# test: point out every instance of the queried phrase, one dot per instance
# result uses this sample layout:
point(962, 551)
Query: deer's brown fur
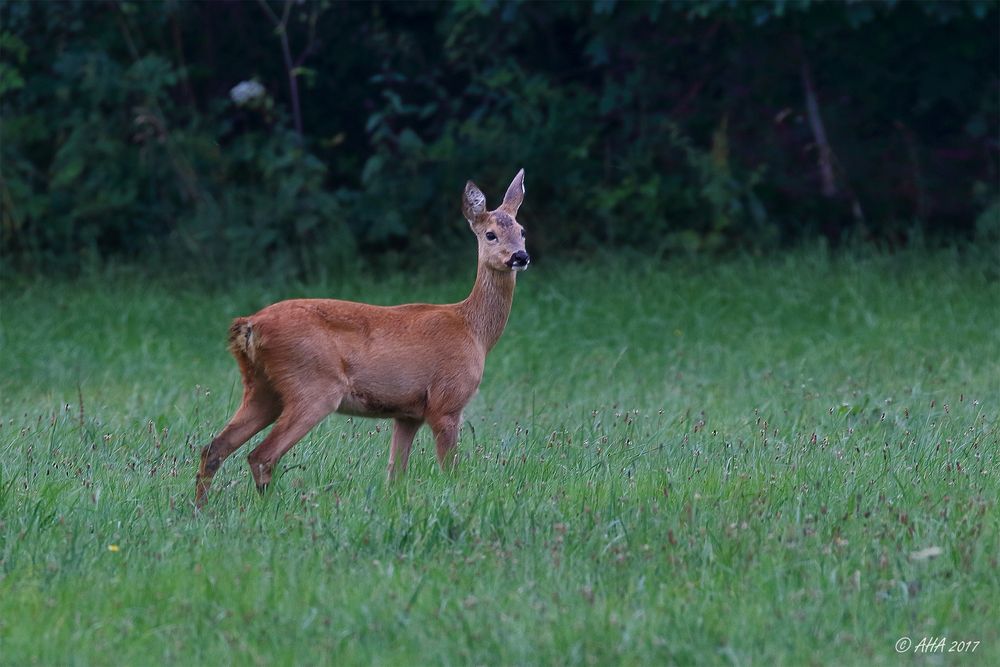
point(302, 359)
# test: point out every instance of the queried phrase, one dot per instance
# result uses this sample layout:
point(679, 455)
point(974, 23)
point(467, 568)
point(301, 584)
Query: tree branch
point(281, 28)
point(826, 159)
point(825, 154)
point(310, 39)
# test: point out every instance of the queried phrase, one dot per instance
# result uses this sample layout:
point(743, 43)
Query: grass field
point(790, 460)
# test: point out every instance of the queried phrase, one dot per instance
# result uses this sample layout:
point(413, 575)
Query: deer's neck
point(486, 309)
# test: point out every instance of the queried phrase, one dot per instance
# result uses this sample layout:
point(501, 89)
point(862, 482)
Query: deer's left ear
point(473, 203)
point(515, 195)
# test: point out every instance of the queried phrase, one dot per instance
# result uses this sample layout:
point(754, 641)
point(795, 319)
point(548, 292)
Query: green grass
point(693, 462)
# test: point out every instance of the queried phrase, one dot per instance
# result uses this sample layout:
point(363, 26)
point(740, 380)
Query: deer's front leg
point(445, 429)
point(403, 432)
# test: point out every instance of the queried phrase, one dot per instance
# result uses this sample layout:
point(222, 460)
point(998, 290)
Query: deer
point(302, 359)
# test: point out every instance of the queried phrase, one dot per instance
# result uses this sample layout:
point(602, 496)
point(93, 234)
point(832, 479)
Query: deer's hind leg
point(297, 418)
point(260, 406)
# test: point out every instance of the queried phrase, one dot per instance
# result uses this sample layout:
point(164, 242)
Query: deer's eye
point(523, 235)
point(490, 236)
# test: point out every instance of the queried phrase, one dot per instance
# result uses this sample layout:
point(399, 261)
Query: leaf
point(410, 141)
point(68, 172)
point(307, 73)
point(372, 168)
point(10, 79)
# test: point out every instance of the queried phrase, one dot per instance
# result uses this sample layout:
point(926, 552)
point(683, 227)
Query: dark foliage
point(661, 126)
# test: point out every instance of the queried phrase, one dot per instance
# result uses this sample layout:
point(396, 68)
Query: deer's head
point(501, 238)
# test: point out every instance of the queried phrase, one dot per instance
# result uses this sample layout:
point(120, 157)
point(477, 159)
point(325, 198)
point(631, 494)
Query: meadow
point(788, 460)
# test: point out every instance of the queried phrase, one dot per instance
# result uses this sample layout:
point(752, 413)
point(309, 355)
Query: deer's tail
point(243, 344)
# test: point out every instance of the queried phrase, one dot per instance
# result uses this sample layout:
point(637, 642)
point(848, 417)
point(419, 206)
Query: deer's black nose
point(519, 260)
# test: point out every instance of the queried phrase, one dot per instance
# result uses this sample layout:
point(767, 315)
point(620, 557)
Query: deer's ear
point(473, 203)
point(515, 195)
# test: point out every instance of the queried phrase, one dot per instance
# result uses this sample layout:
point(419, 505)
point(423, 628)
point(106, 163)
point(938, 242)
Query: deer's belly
point(408, 385)
point(367, 404)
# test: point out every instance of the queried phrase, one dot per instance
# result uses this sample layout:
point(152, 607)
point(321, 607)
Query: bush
point(171, 130)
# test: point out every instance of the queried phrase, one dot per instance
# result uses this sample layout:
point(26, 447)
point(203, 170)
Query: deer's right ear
point(473, 203)
point(515, 194)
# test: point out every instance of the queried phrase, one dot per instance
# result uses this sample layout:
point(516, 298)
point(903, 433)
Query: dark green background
point(660, 126)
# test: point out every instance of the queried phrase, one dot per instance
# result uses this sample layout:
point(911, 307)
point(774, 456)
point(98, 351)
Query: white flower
point(246, 92)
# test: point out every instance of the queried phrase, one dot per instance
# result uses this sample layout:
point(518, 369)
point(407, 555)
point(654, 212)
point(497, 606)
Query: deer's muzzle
point(519, 261)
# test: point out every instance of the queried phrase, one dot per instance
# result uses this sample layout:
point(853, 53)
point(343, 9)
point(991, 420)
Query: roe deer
point(305, 358)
